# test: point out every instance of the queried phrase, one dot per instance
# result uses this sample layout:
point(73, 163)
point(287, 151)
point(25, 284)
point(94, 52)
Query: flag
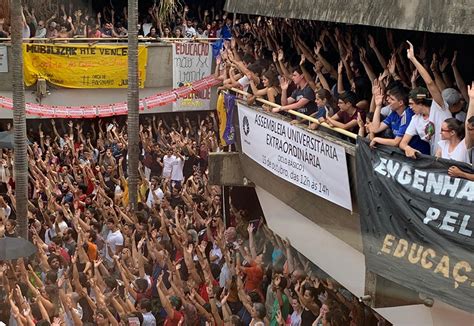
point(221, 115)
point(229, 132)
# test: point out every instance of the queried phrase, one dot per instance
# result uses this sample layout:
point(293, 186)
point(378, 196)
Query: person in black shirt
point(302, 98)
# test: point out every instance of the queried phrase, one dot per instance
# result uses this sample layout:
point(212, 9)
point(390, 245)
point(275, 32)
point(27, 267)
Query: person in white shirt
point(189, 30)
point(429, 113)
point(154, 192)
point(5, 208)
point(58, 227)
point(114, 241)
point(452, 145)
point(455, 171)
point(144, 307)
point(177, 176)
point(40, 30)
point(168, 161)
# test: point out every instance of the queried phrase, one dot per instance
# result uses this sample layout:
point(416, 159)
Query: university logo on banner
point(191, 62)
point(296, 155)
point(417, 223)
point(81, 66)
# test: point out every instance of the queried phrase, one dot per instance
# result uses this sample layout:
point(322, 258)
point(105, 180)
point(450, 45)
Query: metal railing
point(298, 114)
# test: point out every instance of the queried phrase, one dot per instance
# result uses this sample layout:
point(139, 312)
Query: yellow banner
point(81, 66)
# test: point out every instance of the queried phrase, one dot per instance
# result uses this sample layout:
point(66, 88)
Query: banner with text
point(3, 58)
point(298, 156)
point(81, 66)
point(191, 62)
point(416, 223)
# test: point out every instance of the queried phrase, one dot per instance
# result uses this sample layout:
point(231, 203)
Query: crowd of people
point(382, 89)
point(173, 261)
point(75, 20)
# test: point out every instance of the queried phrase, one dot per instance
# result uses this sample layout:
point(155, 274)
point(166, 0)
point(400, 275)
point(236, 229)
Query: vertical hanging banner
point(3, 58)
point(417, 223)
point(81, 66)
point(302, 158)
point(191, 62)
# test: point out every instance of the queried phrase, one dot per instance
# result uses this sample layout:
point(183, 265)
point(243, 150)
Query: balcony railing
point(299, 115)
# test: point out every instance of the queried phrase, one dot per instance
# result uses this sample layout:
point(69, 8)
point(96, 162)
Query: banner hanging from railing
point(417, 223)
point(81, 66)
point(120, 108)
point(296, 155)
point(191, 62)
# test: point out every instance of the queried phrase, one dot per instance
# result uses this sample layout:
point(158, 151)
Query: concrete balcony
point(328, 234)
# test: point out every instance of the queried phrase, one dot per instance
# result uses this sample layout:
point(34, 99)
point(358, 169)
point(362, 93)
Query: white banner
point(300, 157)
point(191, 62)
point(3, 58)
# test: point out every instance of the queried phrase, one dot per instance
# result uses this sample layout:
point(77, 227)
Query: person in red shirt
point(254, 272)
point(172, 305)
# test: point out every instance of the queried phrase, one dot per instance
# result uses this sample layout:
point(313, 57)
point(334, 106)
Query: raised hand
point(371, 41)
point(318, 47)
point(434, 63)
point(281, 55)
point(340, 67)
point(363, 54)
point(470, 91)
point(444, 64)
point(411, 52)
point(303, 59)
point(284, 83)
point(454, 60)
point(250, 228)
point(360, 122)
point(392, 65)
point(377, 92)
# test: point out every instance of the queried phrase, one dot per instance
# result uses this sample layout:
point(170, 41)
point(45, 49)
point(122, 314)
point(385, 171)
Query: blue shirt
point(399, 123)
point(226, 33)
point(321, 113)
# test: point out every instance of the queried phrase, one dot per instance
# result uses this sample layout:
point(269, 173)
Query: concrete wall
point(438, 16)
point(6, 77)
point(159, 66)
point(159, 72)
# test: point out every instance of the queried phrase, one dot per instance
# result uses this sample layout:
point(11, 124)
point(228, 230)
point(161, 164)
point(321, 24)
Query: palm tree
point(19, 120)
point(132, 102)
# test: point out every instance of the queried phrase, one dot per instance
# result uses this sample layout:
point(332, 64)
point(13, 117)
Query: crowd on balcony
point(73, 20)
point(385, 88)
point(173, 261)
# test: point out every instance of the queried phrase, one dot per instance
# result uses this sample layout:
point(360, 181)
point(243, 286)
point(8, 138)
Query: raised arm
point(432, 87)
point(373, 46)
point(470, 113)
point(458, 78)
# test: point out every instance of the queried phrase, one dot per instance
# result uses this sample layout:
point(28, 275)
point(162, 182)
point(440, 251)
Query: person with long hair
point(452, 145)
point(325, 103)
point(271, 90)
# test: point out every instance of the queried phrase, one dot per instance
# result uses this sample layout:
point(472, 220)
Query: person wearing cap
point(455, 103)
point(52, 31)
point(430, 113)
